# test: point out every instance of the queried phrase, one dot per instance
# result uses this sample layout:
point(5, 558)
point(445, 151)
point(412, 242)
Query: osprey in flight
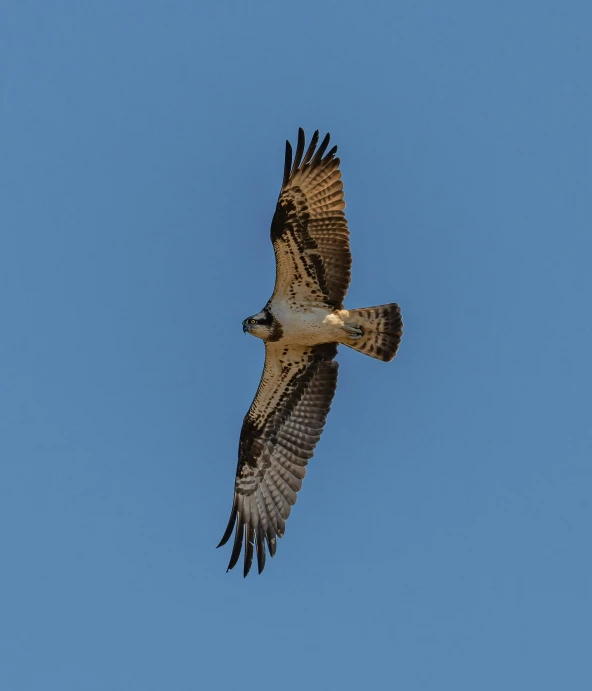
point(301, 325)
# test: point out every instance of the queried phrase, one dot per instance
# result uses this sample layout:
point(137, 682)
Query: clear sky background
point(442, 537)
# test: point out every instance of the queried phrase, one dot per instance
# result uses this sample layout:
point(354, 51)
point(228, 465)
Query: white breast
point(308, 326)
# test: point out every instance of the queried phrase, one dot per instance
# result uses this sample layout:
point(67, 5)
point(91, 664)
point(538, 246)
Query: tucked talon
point(354, 332)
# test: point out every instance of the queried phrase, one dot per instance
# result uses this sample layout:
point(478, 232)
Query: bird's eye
point(252, 321)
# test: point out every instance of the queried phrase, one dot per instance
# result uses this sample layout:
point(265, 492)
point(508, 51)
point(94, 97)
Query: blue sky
point(442, 537)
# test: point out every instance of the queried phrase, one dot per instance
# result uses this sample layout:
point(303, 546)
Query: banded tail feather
point(382, 329)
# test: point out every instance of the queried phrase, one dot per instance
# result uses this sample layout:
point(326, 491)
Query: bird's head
point(259, 325)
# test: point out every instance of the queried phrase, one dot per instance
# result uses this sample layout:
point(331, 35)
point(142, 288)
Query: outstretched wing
point(279, 434)
point(309, 231)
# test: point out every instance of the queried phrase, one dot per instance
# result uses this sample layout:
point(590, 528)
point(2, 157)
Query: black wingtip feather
point(229, 527)
point(321, 150)
point(272, 546)
point(249, 544)
point(299, 149)
point(287, 162)
point(311, 147)
point(238, 544)
point(260, 544)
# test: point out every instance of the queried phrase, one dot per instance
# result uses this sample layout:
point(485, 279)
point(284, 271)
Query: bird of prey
point(301, 325)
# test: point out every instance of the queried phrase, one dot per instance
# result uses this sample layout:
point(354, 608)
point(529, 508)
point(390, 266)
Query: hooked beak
point(245, 327)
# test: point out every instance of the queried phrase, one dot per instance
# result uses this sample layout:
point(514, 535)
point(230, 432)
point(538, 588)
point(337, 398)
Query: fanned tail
point(381, 330)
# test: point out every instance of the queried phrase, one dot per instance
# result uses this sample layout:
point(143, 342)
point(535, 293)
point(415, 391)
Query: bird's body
point(308, 325)
point(301, 325)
